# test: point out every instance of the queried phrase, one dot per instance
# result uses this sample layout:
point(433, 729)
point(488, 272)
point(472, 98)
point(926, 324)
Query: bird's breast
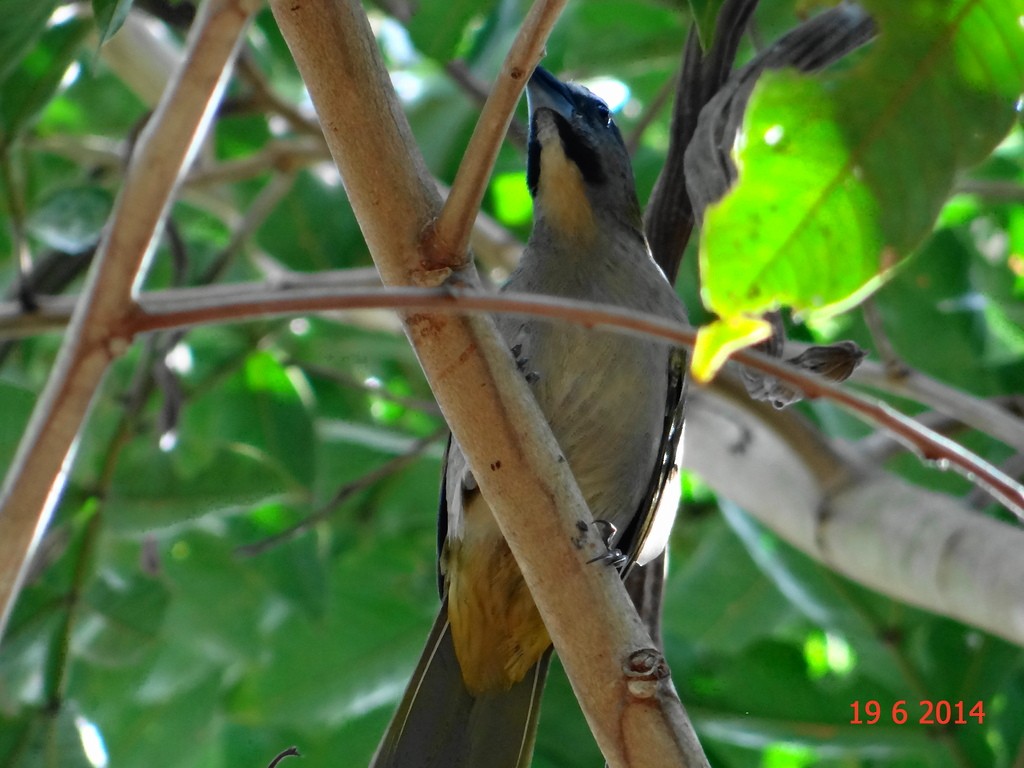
point(604, 396)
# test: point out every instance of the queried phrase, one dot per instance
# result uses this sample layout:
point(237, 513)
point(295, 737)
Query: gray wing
point(647, 534)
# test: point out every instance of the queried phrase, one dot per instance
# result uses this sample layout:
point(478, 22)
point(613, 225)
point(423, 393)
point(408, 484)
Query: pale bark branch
point(921, 547)
point(452, 231)
point(988, 417)
point(636, 720)
point(96, 335)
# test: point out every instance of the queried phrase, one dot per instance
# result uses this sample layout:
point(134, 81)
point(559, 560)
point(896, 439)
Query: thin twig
point(977, 499)
point(448, 246)
point(989, 417)
point(255, 215)
point(993, 190)
point(339, 377)
point(189, 307)
point(894, 366)
point(337, 290)
point(290, 752)
point(345, 492)
point(268, 99)
point(651, 113)
point(476, 89)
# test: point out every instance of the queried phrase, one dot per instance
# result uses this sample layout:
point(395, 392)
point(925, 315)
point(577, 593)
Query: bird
point(614, 404)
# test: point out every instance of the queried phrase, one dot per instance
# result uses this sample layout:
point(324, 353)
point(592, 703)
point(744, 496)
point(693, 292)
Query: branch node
point(117, 345)
point(644, 671)
point(438, 260)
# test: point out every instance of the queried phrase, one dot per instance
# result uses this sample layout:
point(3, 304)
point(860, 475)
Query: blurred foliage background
point(225, 578)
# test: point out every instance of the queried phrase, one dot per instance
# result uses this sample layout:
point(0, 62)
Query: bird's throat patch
point(560, 184)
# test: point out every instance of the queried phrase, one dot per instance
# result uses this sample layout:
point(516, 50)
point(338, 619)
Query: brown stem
point(97, 334)
point(450, 241)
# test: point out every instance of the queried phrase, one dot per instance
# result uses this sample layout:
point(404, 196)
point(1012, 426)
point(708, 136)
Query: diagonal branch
point(447, 247)
point(486, 402)
point(97, 335)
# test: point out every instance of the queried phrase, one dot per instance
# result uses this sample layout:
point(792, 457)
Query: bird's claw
point(614, 556)
point(532, 377)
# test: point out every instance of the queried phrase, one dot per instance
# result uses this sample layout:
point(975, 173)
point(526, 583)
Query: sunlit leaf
point(842, 174)
point(72, 219)
point(110, 15)
point(23, 22)
point(32, 84)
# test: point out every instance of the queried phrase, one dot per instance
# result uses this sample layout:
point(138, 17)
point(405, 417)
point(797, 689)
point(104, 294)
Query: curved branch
point(343, 290)
point(918, 546)
point(197, 306)
point(988, 417)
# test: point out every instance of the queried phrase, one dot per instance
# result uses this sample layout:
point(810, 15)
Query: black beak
point(546, 90)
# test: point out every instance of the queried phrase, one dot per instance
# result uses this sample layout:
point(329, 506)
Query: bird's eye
point(604, 115)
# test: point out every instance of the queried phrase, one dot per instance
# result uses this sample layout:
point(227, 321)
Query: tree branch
point(450, 238)
point(623, 687)
point(921, 547)
point(735, 457)
point(327, 291)
point(96, 336)
point(988, 417)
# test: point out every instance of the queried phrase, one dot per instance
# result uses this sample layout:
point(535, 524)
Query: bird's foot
point(532, 377)
point(614, 556)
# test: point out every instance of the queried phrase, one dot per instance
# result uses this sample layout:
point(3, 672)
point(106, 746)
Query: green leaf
point(261, 411)
point(703, 590)
point(437, 28)
point(37, 740)
point(152, 492)
point(513, 205)
point(24, 20)
point(72, 219)
point(35, 79)
point(719, 339)
point(595, 37)
point(18, 403)
point(110, 15)
point(843, 174)
point(314, 228)
point(824, 599)
point(123, 619)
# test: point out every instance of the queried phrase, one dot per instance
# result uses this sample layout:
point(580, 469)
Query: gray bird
point(614, 404)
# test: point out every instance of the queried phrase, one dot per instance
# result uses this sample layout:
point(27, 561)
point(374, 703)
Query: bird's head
point(578, 169)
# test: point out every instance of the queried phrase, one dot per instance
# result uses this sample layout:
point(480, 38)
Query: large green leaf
point(72, 219)
point(110, 15)
point(121, 619)
point(23, 22)
point(701, 594)
point(843, 174)
point(438, 27)
point(35, 79)
point(259, 411)
point(152, 492)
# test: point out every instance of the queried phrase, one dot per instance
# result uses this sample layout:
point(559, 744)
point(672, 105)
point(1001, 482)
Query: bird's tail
point(439, 723)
